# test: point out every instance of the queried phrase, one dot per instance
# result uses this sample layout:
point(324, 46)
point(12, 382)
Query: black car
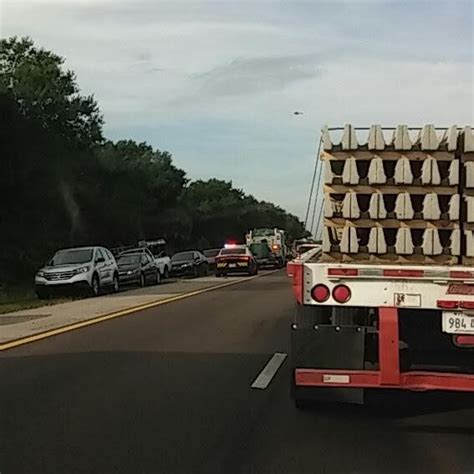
point(138, 268)
point(211, 255)
point(189, 263)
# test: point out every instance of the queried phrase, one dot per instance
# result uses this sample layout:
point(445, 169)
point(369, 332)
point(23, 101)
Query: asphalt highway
point(168, 390)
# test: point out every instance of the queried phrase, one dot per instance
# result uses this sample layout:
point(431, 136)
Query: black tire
point(42, 294)
point(158, 277)
point(195, 271)
point(142, 280)
point(166, 273)
point(95, 285)
point(218, 274)
point(115, 284)
point(205, 271)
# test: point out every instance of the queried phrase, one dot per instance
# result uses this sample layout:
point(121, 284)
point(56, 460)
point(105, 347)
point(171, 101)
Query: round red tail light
point(341, 293)
point(320, 293)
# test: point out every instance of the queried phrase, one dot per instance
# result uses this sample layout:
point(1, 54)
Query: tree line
point(64, 184)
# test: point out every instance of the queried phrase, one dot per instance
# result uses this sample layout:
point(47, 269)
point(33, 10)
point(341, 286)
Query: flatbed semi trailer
point(371, 324)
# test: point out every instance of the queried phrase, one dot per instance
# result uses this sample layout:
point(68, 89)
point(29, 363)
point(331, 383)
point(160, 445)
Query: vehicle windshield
point(128, 259)
point(211, 253)
point(262, 232)
point(182, 257)
point(233, 251)
point(67, 257)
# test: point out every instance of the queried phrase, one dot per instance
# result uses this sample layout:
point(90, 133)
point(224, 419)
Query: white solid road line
point(266, 375)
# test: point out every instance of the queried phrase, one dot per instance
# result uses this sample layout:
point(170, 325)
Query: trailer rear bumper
point(344, 349)
point(414, 381)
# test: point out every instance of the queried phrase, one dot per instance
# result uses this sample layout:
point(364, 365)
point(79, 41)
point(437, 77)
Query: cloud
point(216, 83)
point(258, 74)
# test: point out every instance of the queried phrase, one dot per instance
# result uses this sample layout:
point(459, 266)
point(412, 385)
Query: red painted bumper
point(389, 375)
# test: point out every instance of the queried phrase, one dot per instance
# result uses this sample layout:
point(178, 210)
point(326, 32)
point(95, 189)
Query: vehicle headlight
point(129, 272)
point(83, 270)
point(40, 273)
point(185, 265)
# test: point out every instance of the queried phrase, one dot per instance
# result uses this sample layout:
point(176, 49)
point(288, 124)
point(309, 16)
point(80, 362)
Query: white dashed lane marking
point(266, 375)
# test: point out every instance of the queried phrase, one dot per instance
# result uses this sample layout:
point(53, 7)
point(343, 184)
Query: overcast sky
point(216, 83)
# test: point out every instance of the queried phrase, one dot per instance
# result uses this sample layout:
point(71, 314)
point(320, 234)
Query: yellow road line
point(117, 314)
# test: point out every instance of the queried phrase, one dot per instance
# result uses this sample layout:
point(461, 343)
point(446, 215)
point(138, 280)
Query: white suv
point(84, 268)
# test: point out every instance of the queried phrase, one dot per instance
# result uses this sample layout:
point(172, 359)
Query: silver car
point(86, 268)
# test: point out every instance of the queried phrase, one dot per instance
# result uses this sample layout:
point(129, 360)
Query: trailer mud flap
point(328, 347)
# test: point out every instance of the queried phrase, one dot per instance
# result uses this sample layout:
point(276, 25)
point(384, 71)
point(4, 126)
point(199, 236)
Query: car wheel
point(142, 280)
point(95, 286)
point(158, 277)
point(42, 294)
point(218, 274)
point(195, 272)
point(205, 270)
point(166, 273)
point(115, 284)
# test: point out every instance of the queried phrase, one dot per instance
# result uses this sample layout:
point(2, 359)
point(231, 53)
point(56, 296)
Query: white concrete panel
point(469, 208)
point(326, 138)
point(377, 243)
point(431, 242)
point(404, 242)
point(376, 140)
point(403, 207)
point(329, 207)
point(468, 140)
point(350, 206)
point(454, 207)
point(430, 172)
point(429, 138)
point(377, 207)
point(431, 210)
point(349, 138)
point(469, 174)
point(328, 173)
point(349, 242)
point(376, 174)
point(455, 242)
point(349, 173)
point(326, 240)
point(401, 138)
point(450, 138)
point(469, 243)
point(453, 177)
point(403, 173)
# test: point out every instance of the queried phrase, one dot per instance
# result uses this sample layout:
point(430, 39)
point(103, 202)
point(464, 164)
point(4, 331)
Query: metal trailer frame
point(431, 282)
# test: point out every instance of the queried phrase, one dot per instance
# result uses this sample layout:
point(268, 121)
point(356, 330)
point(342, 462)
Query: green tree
point(46, 92)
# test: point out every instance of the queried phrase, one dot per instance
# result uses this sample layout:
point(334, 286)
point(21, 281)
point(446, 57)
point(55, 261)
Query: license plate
point(232, 265)
point(456, 322)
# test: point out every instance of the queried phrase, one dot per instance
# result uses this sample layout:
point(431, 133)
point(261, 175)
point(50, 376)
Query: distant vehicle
point(85, 268)
point(263, 254)
point(189, 263)
point(236, 259)
point(138, 267)
point(276, 240)
point(160, 253)
point(211, 255)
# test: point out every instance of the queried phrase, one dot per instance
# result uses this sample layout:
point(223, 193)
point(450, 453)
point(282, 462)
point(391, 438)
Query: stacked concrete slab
point(399, 195)
point(467, 160)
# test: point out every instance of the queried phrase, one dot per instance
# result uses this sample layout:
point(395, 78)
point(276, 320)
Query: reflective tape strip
point(405, 273)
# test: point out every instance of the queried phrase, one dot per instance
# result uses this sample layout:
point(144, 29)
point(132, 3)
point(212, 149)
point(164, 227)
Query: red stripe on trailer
point(343, 272)
point(298, 282)
point(416, 381)
point(403, 273)
point(460, 274)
